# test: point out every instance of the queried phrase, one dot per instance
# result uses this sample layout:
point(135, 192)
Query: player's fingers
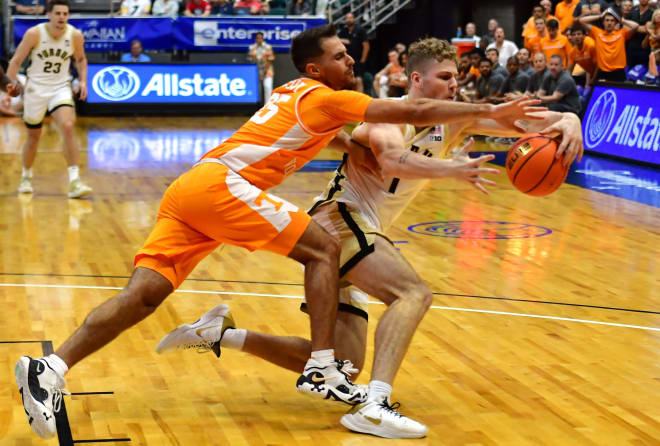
point(533, 112)
point(476, 162)
point(486, 171)
point(481, 188)
point(562, 147)
point(466, 148)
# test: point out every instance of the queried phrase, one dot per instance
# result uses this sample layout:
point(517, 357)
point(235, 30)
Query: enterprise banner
point(184, 84)
point(623, 122)
point(234, 34)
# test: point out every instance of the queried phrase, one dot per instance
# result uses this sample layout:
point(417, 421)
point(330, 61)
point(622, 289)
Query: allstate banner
point(172, 84)
point(237, 34)
point(112, 34)
point(623, 122)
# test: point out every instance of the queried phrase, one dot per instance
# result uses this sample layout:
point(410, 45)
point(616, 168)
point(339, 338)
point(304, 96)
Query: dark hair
point(401, 56)
point(52, 3)
point(485, 59)
point(557, 56)
point(538, 6)
point(258, 34)
point(512, 59)
point(579, 28)
point(493, 49)
point(307, 45)
point(552, 24)
point(477, 51)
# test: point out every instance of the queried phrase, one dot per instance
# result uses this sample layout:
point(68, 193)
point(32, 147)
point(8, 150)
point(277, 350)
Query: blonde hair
point(652, 25)
point(428, 49)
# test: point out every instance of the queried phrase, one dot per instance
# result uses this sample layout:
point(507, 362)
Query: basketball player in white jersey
point(357, 208)
point(51, 46)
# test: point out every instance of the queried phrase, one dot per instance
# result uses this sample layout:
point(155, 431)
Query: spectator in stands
point(626, 9)
point(515, 83)
point(222, 7)
point(35, 7)
point(533, 41)
point(301, 7)
point(136, 54)
point(384, 76)
point(505, 48)
point(464, 77)
point(400, 47)
point(262, 53)
point(489, 37)
point(497, 69)
point(245, 7)
point(558, 91)
point(617, 6)
point(547, 9)
point(165, 8)
point(541, 71)
point(398, 82)
point(475, 57)
point(582, 53)
point(635, 51)
point(555, 43)
point(529, 29)
point(524, 63)
point(354, 37)
point(610, 43)
point(134, 8)
point(653, 42)
point(590, 7)
point(471, 33)
point(197, 8)
point(488, 85)
point(564, 13)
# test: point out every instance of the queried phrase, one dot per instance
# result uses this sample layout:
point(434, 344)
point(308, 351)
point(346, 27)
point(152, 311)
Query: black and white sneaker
point(41, 390)
point(331, 382)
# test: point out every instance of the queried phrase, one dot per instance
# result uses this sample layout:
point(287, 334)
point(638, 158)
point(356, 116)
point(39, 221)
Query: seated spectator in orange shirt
point(583, 53)
point(464, 75)
point(564, 13)
point(197, 8)
point(533, 41)
point(475, 57)
point(555, 43)
point(610, 43)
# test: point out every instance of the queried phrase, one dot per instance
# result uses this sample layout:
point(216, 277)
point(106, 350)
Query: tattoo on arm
point(403, 158)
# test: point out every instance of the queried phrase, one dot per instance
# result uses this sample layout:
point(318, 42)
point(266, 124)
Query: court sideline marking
point(288, 296)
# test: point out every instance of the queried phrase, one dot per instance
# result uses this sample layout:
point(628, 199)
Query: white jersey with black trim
point(381, 202)
point(50, 59)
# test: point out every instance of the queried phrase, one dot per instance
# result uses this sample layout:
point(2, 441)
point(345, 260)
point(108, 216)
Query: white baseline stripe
point(285, 296)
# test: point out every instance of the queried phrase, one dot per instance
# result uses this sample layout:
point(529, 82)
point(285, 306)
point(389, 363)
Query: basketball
point(532, 166)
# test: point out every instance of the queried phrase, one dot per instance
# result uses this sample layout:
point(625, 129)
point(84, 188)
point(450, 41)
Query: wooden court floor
point(549, 340)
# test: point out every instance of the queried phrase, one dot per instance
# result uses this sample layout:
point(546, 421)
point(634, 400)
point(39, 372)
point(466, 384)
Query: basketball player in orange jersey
point(222, 199)
point(357, 208)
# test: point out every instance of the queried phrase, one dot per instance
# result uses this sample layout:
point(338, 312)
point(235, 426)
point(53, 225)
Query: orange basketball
point(532, 166)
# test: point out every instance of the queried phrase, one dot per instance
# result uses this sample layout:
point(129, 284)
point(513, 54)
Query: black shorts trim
point(346, 308)
point(336, 187)
point(50, 112)
point(33, 126)
point(365, 247)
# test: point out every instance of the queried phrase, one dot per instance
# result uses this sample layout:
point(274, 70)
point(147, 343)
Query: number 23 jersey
point(50, 59)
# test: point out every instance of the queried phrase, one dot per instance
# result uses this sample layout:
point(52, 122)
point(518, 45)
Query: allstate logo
point(600, 118)
point(479, 229)
point(116, 83)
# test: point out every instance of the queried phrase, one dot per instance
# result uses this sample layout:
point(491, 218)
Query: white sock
point(324, 357)
point(379, 390)
point(27, 172)
point(74, 173)
point(57, 364)
point(234, 338)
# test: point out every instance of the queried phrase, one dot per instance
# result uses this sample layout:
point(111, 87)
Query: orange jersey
point(533, 43)
point(564, 13)
point(610, 48)
point(529, 25)
point(475, 71)
point(299, 119)
point(585, 57)
point(555, 47)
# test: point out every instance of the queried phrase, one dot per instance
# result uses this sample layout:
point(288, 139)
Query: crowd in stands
point(198, 8)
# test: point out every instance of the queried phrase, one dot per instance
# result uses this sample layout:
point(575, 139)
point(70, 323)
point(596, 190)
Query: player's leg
point(386, 275)
point(34, 110)
point(268, 87)
point(64, 115)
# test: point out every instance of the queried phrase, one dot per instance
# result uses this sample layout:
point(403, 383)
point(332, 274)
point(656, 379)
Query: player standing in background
point(51, 46)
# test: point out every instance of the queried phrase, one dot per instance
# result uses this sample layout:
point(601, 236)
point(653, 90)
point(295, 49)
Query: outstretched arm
point(386, 141)
point(567, 125)
point(426, 112)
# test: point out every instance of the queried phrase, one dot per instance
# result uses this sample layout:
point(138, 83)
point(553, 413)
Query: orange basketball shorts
point(210, 205)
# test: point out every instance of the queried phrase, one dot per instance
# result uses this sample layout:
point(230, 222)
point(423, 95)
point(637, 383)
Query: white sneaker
point(41, 390)
point(25, 186)
point(204, 334)
point(331, 382)
point(382, 420)
point(78, 189)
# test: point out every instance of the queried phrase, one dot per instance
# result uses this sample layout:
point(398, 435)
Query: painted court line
point(286, 296)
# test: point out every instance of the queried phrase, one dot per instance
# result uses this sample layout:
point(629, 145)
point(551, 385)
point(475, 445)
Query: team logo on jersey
point(479, 229)
point(116, 83)
point(600, 119)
